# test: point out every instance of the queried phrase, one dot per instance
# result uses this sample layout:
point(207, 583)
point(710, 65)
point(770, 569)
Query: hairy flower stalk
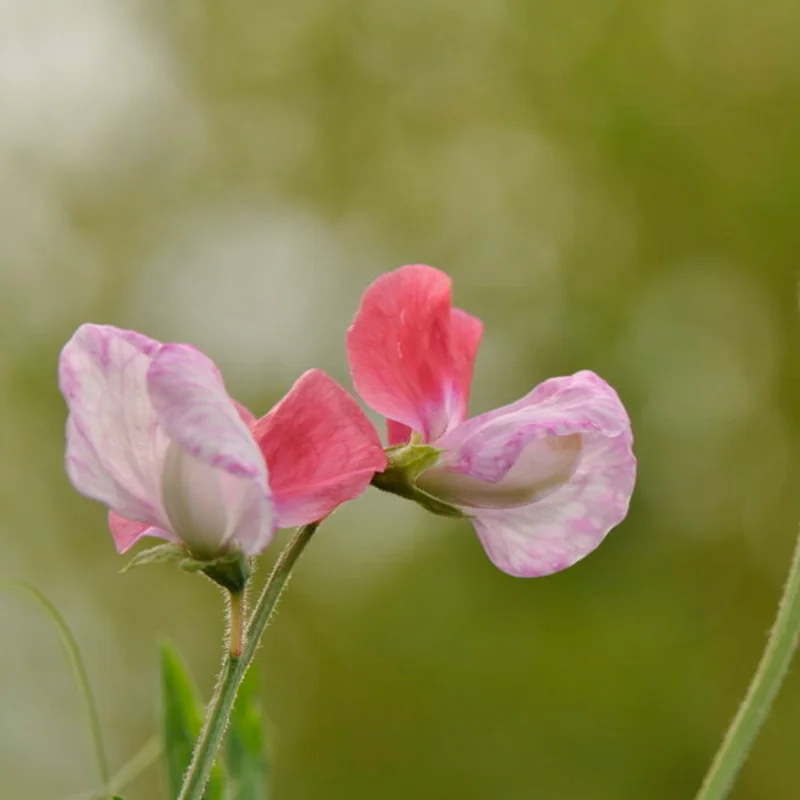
point(235, 668)
point(761, 693)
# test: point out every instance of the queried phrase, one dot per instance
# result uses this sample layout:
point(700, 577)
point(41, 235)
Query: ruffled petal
point(320, 447)
point(127, 532)
point(488, 446)
point(544, 478)
point(115, 446)
point(566, 524)
point(215, 481)
point(410, 355)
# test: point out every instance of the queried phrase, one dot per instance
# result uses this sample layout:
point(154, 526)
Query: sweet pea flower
point(543, 480)
point(153, 435)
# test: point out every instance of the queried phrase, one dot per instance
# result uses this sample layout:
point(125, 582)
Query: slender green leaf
point(181, 720)
point(247, 749)
point(78, 668)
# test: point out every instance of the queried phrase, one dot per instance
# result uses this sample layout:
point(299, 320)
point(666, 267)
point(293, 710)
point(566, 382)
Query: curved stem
point(234, 669)
point(78, 669)
point(138, 764)
point(761, 693)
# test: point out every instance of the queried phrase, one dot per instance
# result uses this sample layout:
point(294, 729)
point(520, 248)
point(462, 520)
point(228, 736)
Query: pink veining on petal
point(192, 404)
point(320, 448)
point(115, 449)
point(403, 358)
point(220, 460)
point(567, 524)
point(486, 447)
point(569, 442)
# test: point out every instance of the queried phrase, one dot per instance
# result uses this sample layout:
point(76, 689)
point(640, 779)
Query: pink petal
point(127, 532)
point(544, 478)
point(215, 486)
point(466, 332)
point(397, 433)
point(410, 355)
point(320, 447)
point(115, 449)
point(562, 527)
point(486, 447)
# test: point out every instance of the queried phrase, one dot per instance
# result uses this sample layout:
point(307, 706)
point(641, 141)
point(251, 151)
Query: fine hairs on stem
point(761, 693)
point(234, 669)
point(236, 602)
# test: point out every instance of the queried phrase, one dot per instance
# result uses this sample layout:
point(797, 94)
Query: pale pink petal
point(401, 353)
point(544, 478)
point(215, 483)
point(127, 532)
point(115, 448)
point(320, 447)
point(566, 524)
point(486, 447)
point(195, 410)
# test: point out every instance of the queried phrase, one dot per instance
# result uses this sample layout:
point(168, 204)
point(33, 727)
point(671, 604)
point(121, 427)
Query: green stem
point(761, 693)
point(78, 669)
point(234, 669)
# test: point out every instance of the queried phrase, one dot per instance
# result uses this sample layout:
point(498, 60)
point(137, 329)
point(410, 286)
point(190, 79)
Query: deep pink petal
point(397, 433)
point(115, 448)
point(565, 525)
point(215, 488)
point(127, 532)
point(320, 447)
point(466, 332)
point(401, 354)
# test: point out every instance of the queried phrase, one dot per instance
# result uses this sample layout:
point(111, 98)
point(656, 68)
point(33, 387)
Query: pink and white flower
point(543, 479)
point(153, 434)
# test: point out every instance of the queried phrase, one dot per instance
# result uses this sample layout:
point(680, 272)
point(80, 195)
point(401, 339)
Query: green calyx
point(406, 463)
point(231, 571)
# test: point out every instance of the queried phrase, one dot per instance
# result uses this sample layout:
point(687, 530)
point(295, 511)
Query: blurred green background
point(613, 185)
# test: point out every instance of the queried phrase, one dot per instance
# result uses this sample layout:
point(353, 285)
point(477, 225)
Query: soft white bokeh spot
point(255, 285)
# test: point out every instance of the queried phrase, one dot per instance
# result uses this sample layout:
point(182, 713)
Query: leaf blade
point(248, 764)
point(181, 720)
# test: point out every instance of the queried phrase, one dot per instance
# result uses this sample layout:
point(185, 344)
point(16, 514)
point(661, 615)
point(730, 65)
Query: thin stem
point(761, 693)
point(138, 764)
point(236, 621)
point(78, 669)
point(234, 669)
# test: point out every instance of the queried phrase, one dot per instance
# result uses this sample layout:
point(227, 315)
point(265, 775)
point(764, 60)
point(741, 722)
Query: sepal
point(159, 554)
point(230, 571)
point(406, 463)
